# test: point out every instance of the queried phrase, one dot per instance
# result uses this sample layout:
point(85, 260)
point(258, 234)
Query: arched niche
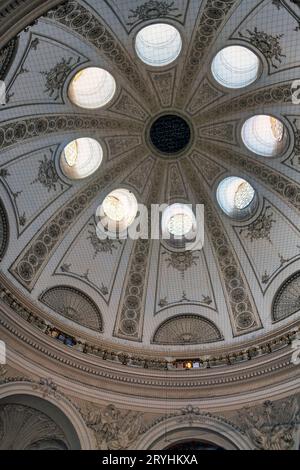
point(64, 427)
point(202, 427)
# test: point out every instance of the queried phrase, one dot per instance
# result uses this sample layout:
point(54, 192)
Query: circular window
point(235, 67)
point(236, 197)
point(265, 135)
point(158, 44)
point(81, 158)
point(178, 223)
point(118, 210)
point(92, 88)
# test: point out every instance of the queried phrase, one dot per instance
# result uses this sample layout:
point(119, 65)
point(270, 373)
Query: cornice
point(43, 357)
point(217, 357)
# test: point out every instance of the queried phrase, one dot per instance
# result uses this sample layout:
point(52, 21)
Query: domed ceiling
point(171, 134)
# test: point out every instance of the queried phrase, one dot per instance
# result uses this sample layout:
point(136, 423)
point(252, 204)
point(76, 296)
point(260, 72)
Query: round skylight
point(236, 197)
point(92, 88)
point(235, 67)
point(158, 44)
point(118, 210)
point(81, 158)
point(265, 135)
point(178, 221)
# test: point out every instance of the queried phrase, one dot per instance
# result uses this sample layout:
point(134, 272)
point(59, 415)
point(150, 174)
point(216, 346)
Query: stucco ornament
point(274, 426)
point(113, 429)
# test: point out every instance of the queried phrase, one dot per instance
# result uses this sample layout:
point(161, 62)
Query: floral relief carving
point(114, 429)
point(47, 175)
point(267, 44)
point(151, 10)
point(273, 425)
point(102, 246)
point(181, 261)
point(128, 106)
point(205, 95)
point(261, 228)
point(56, 77)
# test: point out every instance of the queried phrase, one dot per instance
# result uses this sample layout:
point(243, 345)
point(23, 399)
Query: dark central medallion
point(170, 134)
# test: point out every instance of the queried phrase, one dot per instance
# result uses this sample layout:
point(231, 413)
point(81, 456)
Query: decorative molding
point(129, 321)
point(280, 184)
point(14, 132)
point(278, 94)
point(242, 310)
point(211, 18)
point(221, 359)
point(205, 95)
point(7, 54)
point(4, 231)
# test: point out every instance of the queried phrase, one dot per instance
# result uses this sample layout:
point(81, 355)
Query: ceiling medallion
point(170, 135)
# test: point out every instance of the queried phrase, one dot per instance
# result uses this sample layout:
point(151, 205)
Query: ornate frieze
point(14, 132)
point(106, 353)
point(271, 95)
